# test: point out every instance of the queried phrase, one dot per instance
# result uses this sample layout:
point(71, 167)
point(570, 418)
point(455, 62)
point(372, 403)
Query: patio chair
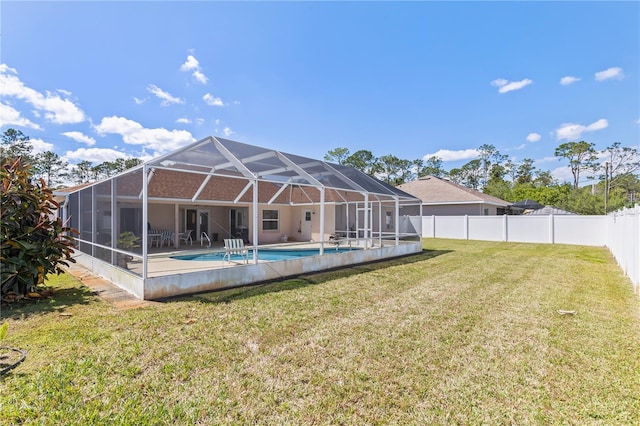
point(166, 236)
point(186, 237)
point(235, 246)
point(154, 237)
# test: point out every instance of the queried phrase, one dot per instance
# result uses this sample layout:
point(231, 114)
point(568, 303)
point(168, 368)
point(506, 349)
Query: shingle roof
point(433, 190)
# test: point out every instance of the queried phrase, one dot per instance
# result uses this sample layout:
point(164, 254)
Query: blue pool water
point(265, 254)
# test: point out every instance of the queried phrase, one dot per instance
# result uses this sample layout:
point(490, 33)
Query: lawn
point(466, 332)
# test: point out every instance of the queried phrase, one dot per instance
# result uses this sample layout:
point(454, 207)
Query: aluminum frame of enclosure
point(217, 171)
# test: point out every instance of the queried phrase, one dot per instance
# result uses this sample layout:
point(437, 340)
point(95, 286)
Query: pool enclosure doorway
point(217, 189)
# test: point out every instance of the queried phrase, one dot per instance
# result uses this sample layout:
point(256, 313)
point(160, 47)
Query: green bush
point(33, 242)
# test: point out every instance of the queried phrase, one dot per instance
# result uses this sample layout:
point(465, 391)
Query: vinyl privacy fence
point(619, 231)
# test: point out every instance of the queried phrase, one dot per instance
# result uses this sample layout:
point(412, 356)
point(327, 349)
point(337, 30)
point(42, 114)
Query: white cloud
point(565, 81)
point(613, 72)
point(160, 140)
point(10, 116)
point(40, 146)
point(167, 98)
point(227, 131)
point(56, 109)
point(638, 121)
point(505, 86)
point(183, 121)
point(139, 101)
point(199, 75)
point(562, 174)
point(519, 147)
point(199, 121)
point(533, 137)
point(448, 155)
point(546, 160)
point(80, 137)
point(95, 155)
point(192, 64)
point(572, 131)
point(212, 100)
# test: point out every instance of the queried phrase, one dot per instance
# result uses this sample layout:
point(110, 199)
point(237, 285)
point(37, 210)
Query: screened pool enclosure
point(138, 229)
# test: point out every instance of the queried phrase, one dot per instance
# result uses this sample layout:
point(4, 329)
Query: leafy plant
point(34, 242)
point(127, 240)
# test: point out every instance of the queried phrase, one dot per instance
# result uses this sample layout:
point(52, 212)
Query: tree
point(581, 156)
point(390, 168)
point(543, 178)
point(622, 160)
point(82, 172)
point(432, 166)
point(33, 244)
point(337, 155)
point(472, 174)
point(49, 166)
point(16, 144)
point(364, 161)
point(525, 171)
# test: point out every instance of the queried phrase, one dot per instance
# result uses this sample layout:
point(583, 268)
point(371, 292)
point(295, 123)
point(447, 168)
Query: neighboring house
point(442, 197)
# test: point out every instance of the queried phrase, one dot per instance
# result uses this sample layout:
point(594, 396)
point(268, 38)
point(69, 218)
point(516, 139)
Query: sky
point(100, 80)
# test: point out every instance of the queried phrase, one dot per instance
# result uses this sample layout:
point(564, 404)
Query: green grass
point(463, 333)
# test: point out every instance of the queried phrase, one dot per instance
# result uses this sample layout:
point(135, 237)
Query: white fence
point(619, 231)
point(623, 239)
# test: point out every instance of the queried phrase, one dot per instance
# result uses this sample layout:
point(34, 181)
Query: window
point(388, 220)
point(270, 220)
point(486, 212)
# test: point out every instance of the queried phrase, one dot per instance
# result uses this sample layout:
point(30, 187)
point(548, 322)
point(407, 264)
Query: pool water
point(265, 254)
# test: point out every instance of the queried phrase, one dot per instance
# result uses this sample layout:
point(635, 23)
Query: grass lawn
point(466, 332)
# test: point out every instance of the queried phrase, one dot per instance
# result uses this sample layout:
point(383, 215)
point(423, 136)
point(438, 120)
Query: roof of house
point(434, 190)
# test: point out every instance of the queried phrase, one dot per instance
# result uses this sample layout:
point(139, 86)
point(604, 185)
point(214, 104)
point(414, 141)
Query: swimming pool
point(265, 254)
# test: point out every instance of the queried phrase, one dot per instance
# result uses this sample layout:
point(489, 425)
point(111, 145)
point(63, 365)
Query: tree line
point(52, 168)
point(611, 175)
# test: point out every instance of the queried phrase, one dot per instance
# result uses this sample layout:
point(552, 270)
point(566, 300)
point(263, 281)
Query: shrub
point(33, 242)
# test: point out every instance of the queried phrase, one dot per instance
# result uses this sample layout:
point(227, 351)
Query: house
point(217, 189)
point(441, 197)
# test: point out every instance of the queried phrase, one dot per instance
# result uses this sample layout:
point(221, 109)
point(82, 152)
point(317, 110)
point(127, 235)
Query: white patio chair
point(186, 237)
point(166, 236)
point(154, 237)
point(235, 246)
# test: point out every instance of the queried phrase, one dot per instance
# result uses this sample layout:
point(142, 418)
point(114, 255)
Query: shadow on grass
point(68, 293)
point(301, 281)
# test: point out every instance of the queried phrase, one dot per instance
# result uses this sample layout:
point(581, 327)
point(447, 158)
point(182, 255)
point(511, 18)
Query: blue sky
point(100, 80)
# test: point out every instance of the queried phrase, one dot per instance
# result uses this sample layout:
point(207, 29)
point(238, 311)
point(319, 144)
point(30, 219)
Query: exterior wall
point(173, 285)
point(161, 216)
point(284, 224)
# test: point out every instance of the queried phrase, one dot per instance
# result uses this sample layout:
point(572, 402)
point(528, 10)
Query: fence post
point(433, 225)
point(505, 228)
point(552, 230)
point(466, 226)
